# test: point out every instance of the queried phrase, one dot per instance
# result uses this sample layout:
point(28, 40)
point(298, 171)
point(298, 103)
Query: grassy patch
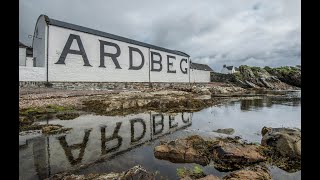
point(238, 76)
point(195, 173)
point(283, 70)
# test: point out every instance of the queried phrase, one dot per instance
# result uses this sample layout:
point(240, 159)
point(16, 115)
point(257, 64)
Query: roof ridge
point(109, 35)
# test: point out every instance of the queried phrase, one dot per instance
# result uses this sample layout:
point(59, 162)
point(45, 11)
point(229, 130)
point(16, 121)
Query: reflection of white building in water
point(93, 138)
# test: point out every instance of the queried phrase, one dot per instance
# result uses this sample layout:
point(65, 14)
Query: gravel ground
point(41, 97)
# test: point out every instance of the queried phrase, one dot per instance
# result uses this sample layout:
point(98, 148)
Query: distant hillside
point(273, 78)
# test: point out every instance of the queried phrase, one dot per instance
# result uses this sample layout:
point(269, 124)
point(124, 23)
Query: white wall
point(39, 42)
point(22, 56)
point(199, 76)
point(29, 62)
point(74, 69)
point(32, 73)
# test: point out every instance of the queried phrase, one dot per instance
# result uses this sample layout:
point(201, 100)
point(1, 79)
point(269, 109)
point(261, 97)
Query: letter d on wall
point(131, 49)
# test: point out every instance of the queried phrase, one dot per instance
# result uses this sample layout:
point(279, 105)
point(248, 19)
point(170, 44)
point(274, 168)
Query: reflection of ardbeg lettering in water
point(132, 124)
point(68, 148)
point(119, 137)
point(184, 120)
point(171, 119)
point(115, 135)
point(40, 160)
point(155, 124)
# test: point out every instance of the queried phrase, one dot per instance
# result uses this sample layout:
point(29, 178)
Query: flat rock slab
point(182, 151)
point(231, 156)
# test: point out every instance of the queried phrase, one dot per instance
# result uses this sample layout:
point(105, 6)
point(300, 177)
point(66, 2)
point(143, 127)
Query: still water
point(100, 144)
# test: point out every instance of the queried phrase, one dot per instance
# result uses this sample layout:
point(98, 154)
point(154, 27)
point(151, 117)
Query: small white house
point(25, 55)
point(228, 69)
point(22, 54)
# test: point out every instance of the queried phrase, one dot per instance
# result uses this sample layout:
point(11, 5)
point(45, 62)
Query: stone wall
point(219, 77)
point(109, 85)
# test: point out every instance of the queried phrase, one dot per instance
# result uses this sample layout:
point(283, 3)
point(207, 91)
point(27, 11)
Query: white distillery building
point(64, 52)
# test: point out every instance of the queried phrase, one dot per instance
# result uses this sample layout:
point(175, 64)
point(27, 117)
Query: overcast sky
point(215, 32)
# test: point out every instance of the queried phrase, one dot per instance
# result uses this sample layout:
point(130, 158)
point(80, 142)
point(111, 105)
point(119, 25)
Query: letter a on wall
point(66, 50)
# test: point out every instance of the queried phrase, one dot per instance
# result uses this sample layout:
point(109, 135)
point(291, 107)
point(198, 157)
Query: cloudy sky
point(216, 32)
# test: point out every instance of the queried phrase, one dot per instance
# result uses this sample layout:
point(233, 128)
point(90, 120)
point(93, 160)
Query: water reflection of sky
point(247, 123)
point(123, 142)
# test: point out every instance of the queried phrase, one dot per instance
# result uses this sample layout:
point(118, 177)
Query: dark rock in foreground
point(183, 151)
point(282, 146)
point(285, 141)
point(232, 156)
point(250, 173)
point(227, 155)
point(135, 173)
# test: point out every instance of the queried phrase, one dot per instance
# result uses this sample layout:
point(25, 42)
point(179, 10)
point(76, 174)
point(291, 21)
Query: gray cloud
point(232, 32)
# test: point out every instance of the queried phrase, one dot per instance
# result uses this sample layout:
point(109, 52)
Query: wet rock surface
point(229, 156)
point(186, 150)
point(284, 140)
point(67, 116)
point(229, 131)
point(250, 173)
point(160, 101)
point(282, 147)
point(135, 173)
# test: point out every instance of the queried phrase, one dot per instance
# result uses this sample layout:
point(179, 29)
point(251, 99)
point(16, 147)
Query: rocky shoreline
point(280, 147)
point(69, 104)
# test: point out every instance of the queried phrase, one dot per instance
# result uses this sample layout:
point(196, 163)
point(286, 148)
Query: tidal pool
point(101, 144)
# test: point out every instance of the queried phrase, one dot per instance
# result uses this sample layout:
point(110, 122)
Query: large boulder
point(228, 156)
point(182, 151)
point(285, 141)
point(250, 173)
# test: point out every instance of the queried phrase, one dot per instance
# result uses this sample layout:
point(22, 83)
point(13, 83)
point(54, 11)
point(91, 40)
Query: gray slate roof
point(229, 67)
point(108, 35)
point(198, 66)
